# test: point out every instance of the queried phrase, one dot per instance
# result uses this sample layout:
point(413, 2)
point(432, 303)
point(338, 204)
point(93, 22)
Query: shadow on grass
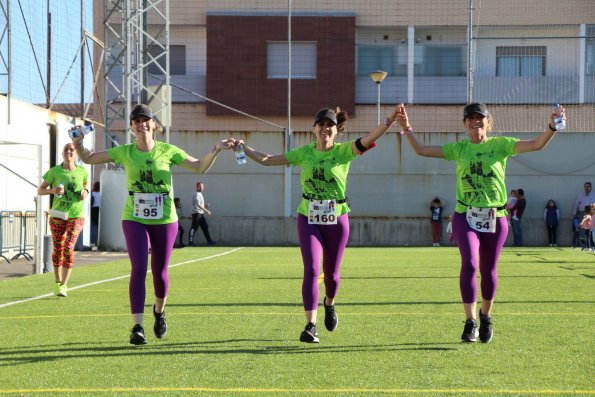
point(50, 353)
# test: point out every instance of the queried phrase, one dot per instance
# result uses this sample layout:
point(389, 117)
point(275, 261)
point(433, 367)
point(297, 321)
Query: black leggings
point(199, 220)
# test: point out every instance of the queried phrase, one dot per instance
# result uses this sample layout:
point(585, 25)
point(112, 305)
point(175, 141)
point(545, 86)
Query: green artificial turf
point(234, 323)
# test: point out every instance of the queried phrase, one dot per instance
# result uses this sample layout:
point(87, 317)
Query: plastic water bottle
point(559, 120)
point(240, 155)
point(62, 186)
point(76, 131)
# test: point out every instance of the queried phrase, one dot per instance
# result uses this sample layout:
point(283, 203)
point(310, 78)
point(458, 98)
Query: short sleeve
point(450, 150)
point(295, 156)
point(116, 153)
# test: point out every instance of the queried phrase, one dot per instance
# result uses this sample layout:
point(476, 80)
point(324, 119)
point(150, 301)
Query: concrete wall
point(388, 189)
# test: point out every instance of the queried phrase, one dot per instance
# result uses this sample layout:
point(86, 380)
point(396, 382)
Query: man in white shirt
point(584, 199)
point(199, 208)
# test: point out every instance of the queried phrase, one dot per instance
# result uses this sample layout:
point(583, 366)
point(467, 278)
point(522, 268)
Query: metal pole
point(470, 54)
point(288, 135)
point(83, 39)
point(378, 104)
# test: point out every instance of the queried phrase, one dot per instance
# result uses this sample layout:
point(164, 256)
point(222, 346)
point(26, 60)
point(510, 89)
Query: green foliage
point(235, 319)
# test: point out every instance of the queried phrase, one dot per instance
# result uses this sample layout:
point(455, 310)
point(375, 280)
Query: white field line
point(34, 298)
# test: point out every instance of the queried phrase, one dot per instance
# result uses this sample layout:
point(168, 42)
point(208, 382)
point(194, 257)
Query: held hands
point(401, 117)
point(225, 144)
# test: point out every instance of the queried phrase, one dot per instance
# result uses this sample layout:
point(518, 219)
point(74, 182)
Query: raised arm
point(263, 158)
point(417, 146)
point(369, 140)
point(87, 156)
point(203, 164)
point(542, 140)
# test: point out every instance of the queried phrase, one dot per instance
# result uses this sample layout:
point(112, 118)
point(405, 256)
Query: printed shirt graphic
point(324, 174)
point(481, 171)
point(149, 172)
point(73, 182)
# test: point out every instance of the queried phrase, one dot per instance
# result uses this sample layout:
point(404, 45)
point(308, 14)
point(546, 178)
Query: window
point(590, 53)
point(526, 61)
point(371, 58)
point(177, 60)
point(441, 61)
point(303, 59)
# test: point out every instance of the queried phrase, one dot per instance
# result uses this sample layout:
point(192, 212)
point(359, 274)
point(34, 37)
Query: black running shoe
point(309, 335)
point(160, 327)
point(470, 332)
point(485, 328)
point(331, 320)
point(137, 335)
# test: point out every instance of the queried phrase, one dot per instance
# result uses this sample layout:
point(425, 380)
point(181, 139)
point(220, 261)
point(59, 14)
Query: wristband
point(362, 148)
point(389, 123)
point(551, 128)
point(407, 131)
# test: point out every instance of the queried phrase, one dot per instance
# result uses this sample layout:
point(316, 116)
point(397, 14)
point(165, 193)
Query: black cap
point(141, 110)
point(328, 114)
point(478, 108)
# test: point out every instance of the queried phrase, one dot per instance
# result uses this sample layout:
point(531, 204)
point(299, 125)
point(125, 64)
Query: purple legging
point(328, 241)
point(488, 246)
point(162, 239)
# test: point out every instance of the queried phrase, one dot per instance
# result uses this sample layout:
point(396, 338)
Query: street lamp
point(378, 76)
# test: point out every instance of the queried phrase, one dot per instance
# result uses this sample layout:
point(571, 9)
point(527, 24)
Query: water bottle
point(559, 120)
point(76, 131)
point(240, 155)
point(62, 186)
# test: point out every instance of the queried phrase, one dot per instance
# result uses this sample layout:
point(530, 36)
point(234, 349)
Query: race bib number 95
point(148, 205)
point(322, 212)
point(482, 219)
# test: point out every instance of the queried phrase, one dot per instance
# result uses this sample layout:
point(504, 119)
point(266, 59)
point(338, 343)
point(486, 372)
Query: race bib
point(482, 219)
point(148, 205)
point(322, 212)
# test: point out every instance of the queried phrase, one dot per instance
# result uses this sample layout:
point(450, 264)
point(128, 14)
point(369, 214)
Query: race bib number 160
point(322, 212)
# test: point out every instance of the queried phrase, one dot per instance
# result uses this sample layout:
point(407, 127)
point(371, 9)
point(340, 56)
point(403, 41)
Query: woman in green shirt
point(149, 215)
point(322, 222)
point(68, 183)
point(479, 223)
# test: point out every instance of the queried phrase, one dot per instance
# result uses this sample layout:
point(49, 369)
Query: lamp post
point(378, 76)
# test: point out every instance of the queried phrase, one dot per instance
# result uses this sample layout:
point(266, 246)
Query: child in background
point(576, 231)
point(436, 206)
point(586, 226)
point(551, 216)
point(510, 204)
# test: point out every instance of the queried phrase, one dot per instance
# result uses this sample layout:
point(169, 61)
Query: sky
point(30, 61)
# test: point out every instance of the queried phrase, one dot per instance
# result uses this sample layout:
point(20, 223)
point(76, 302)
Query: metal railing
point(17, 234)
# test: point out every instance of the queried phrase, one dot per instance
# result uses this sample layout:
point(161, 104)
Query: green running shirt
point(149, 172)
point(73, 182)
point(324, 174)
point(480, 171)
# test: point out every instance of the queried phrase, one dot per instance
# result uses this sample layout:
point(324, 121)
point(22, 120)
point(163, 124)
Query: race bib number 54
point(482, 219)
point(148, 205)
point(322, 212)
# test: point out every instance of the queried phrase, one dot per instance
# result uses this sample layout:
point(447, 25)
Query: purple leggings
point(488, 246)
point(328, 241)
point(138, 236)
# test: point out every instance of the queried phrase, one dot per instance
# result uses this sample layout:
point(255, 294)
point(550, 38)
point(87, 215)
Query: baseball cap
point(141, 110)
point(328, 114)
point(478, 108)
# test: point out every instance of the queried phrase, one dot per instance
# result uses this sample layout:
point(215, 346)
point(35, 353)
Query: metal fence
point(17, 234)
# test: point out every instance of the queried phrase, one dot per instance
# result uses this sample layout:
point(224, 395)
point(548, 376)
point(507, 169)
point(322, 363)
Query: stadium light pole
point(378, 76)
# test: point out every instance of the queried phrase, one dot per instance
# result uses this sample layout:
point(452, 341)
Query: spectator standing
point(436, 206)
point(178, 205)
point(518, 209)
point(451, 236)
point(551, 216)
point(584, 199)
point(199, 209)
point(95, 204)
point(576, 231)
